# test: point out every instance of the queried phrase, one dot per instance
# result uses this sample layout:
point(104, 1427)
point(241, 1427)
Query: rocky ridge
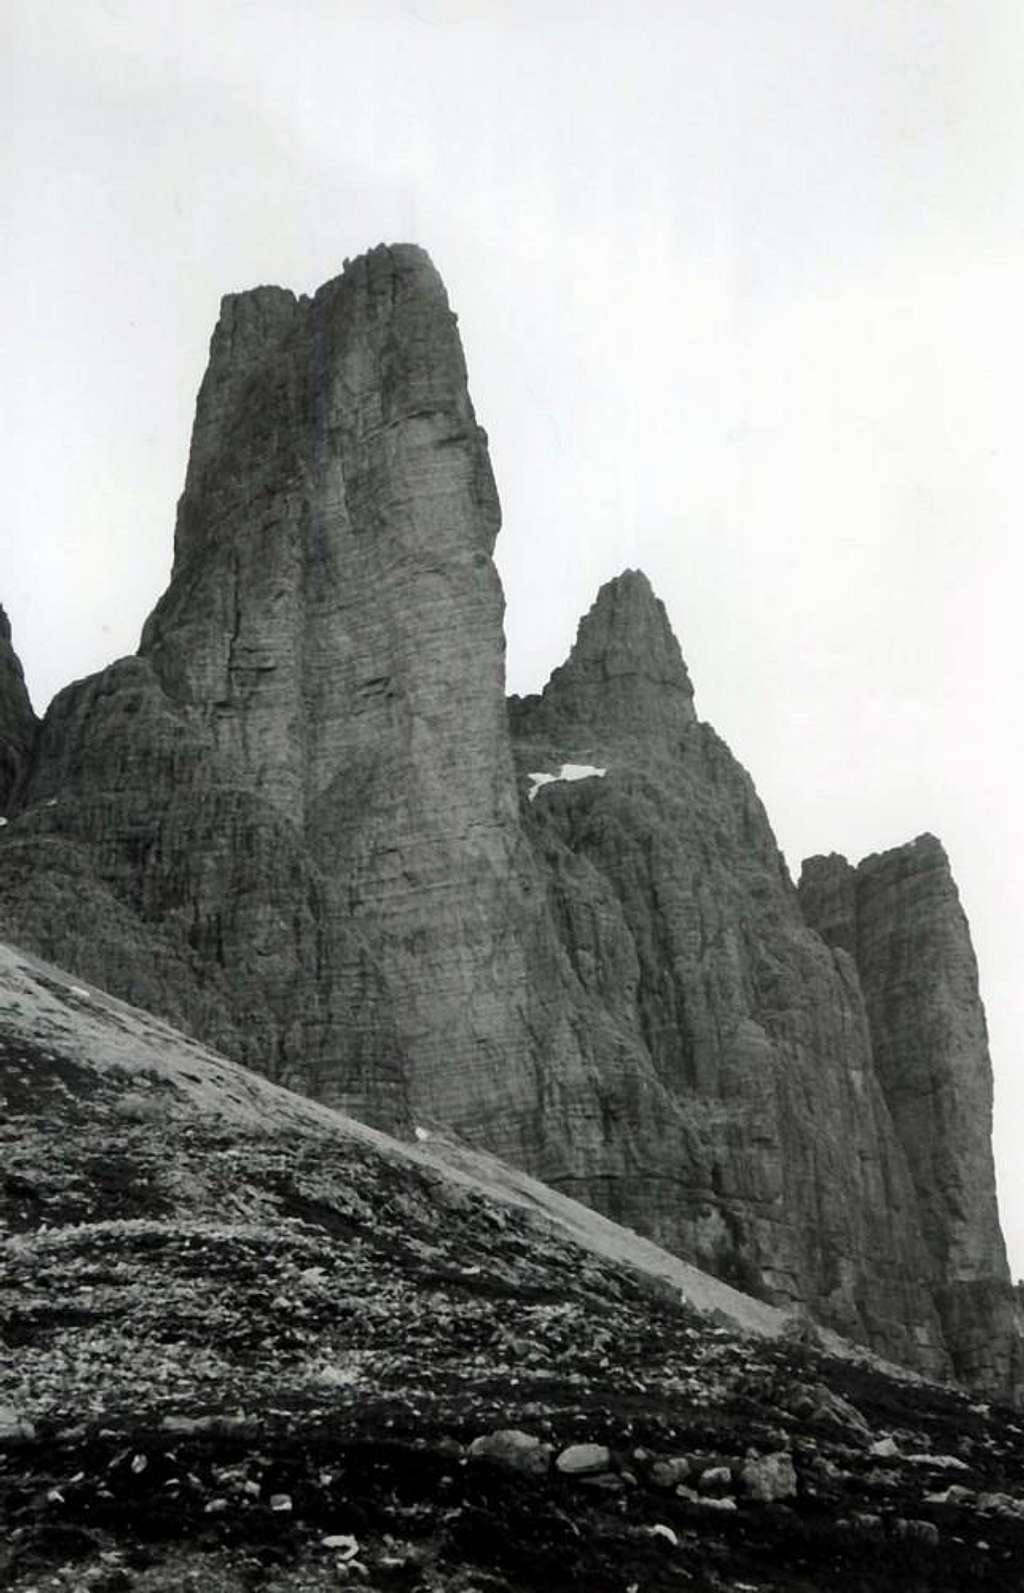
point(304, 825)
point(428, 1372)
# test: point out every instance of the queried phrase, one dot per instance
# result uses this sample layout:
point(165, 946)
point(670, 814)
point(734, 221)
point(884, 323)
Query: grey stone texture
point(298, 825)
point(18, 723)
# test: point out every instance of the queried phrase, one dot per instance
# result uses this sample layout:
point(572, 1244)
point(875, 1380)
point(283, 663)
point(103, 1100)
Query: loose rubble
point(236, 1359)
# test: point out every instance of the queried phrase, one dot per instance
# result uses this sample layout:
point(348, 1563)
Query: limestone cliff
point(302, 784)
point(899, 915)
point(17, 721)
point(779, 1165)
point(304, 824)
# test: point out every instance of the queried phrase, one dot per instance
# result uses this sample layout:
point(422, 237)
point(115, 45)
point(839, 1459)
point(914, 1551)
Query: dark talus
point(304, 825)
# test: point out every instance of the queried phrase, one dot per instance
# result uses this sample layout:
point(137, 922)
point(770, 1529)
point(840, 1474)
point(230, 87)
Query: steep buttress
point(301, 788)
point(899, 914)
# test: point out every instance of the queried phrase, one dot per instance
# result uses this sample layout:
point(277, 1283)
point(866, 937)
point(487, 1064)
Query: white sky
point(739, 285)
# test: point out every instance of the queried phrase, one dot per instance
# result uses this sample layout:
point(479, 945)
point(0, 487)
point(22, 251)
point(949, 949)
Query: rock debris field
point(252, 1346)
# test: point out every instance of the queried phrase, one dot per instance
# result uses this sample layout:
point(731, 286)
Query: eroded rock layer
point(303, 824)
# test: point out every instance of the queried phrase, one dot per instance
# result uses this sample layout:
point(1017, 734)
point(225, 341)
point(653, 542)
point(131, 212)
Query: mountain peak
point(625, 671)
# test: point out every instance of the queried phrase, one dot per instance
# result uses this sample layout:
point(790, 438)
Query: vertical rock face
point(900, 915)
point(303, 782)
point(17, 721)
point(770, 1156)
point(304, 824)
point(334, 625)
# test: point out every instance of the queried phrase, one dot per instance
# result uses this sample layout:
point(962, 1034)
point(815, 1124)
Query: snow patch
point(568, 771)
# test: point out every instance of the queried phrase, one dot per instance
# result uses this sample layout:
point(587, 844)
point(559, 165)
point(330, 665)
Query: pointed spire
point(625, 672)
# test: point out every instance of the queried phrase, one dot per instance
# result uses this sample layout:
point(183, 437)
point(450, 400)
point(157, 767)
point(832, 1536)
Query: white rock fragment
point(941, 1462)
point(767, 1478)
point(669, 1473)
point(583, 1460)
point(885, 1449)
point(568, 771)
point(343, 1544)
point(511, 1447)
point(280, 1502)
point(660, 1530)
point(422, 1133)
point(716, 1479)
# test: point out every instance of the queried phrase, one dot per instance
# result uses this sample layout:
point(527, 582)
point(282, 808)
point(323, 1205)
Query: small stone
point(660, 1530)
point(925, 1532)
point(955, 1494)
point(884, 1449)
point(667, 1473)
point(139, 1464)
point(716, 1479)
point(1001, 1504)
point(943, 1462)
point(280, 1502)
point(768, 1478)
point(583, 1460)
point(705, 1502)
point(517, 1450)
point(343, 1544)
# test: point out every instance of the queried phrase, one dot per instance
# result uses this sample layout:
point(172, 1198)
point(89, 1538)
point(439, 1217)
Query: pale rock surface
point(583, 1460)
point(768, 1478)
point(510, 1447)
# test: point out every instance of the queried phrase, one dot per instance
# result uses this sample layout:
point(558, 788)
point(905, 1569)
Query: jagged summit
point(625, 673)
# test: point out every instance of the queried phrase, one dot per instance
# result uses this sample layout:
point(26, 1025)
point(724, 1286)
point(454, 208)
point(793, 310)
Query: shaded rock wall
point(900, 916)
point(299, 824)
point(786, 1174)
point(17, 720)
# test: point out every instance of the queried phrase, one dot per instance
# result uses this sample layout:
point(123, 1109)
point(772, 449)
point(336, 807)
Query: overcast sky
point(739, 286)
